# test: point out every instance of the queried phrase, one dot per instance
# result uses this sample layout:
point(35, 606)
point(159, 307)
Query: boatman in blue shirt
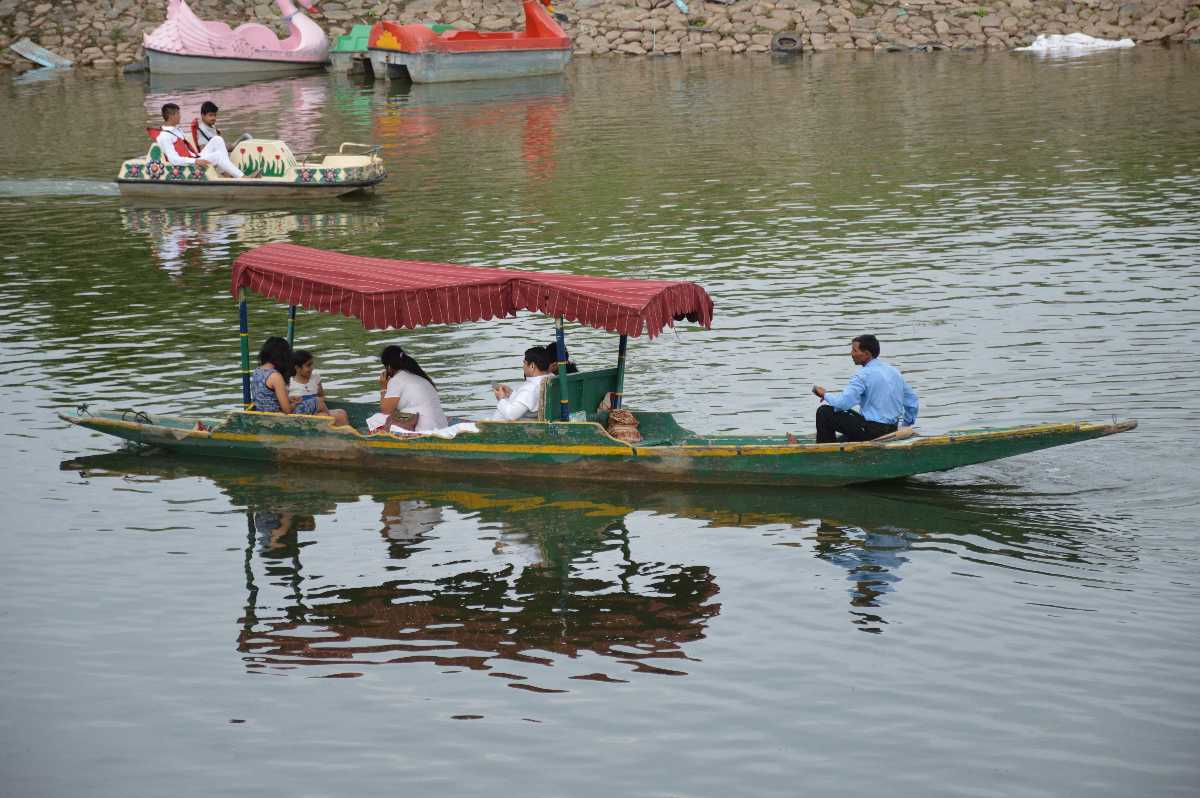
point(882, 395)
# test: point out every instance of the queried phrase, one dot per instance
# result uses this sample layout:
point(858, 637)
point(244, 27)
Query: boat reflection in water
point(471, 577)
point(291, 109)
point(476, 576)
point(525, 581)
point(199, 237)
point(527, 109)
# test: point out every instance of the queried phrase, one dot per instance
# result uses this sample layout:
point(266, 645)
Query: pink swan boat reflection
point(187, 45)
point(287, 108)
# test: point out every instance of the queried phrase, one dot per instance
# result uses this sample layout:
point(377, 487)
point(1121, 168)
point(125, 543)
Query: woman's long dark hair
point(395, 358)
point(278, 353)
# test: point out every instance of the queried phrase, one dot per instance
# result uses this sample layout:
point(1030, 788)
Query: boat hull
point(237, 189)
point(584, 450)
point(176, 64)
point(433, 67)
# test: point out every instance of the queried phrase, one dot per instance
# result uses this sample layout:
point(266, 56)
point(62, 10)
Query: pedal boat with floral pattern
point(280, 174)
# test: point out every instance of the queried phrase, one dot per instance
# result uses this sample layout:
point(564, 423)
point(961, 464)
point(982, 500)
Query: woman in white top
point(406, 388)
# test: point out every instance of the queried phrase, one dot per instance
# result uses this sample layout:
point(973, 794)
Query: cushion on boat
point(155, 152)
point(623, 426)
point(545, 386)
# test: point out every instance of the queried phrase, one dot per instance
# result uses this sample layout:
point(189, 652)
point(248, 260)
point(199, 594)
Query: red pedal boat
point(425, 56)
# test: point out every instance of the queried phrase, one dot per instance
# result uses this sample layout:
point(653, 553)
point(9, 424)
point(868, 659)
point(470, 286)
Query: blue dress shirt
point(881, 393)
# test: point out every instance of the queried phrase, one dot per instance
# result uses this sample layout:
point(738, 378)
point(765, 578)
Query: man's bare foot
point(792, 438)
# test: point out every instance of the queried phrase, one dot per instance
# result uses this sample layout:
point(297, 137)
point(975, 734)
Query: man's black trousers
point(850, 424)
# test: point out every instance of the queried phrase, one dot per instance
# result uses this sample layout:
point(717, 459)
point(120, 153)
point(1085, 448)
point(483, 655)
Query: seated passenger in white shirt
point(205, 129)
point(179, 151)
point(522, 404)
point(406, 388)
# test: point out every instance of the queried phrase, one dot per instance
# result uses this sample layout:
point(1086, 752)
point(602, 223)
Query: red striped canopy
point(407, 293)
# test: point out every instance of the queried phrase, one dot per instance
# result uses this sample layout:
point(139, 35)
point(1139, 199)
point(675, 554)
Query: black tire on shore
point(786, 41)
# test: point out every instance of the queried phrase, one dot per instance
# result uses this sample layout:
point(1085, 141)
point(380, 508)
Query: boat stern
point(355, 166)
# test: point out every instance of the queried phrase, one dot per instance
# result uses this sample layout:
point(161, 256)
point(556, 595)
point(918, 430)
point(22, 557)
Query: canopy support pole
point(291, 324)
point(244, 333)
point(560, 339)
point(617, 394)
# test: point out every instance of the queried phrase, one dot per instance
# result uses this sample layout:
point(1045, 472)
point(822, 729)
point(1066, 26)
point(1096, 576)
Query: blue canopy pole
point(616, 403)
point(560, 339)
point(291, 324)
point(244, 332)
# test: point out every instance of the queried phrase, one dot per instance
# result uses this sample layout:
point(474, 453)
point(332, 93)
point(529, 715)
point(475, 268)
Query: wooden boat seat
point(585, 390)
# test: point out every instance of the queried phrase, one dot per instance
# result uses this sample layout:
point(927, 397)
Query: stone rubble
point(107, 36)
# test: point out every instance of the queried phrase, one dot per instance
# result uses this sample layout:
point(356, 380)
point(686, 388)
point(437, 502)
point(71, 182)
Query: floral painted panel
point(156, 170)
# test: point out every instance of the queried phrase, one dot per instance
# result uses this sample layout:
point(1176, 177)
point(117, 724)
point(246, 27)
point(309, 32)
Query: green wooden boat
point(569, 439)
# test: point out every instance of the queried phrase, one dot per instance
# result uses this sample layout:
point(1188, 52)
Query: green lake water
point(1021, 233)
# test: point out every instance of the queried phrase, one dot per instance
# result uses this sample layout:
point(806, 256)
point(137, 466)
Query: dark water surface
point(1021, 233)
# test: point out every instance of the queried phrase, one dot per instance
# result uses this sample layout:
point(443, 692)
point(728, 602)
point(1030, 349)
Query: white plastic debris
point(1060, 44)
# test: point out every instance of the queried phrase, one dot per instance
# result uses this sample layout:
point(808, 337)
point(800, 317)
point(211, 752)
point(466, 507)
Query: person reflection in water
point(409, 520)
point(276, 532)
point(873, 562)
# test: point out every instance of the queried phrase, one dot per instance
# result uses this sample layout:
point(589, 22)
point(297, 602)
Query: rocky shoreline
point(108, 36)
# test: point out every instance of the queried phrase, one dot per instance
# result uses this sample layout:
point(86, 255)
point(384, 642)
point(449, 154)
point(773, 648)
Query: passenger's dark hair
point(209, 107)
point(868, 343)
point(538, 356)
point(300, 357)
point(169, 109)
point(394, 357)
point(278, 353)
point(552, 350)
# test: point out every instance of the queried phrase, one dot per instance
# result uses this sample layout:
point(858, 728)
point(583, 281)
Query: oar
point(898, 435)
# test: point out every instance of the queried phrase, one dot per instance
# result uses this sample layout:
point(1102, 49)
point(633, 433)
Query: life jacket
point(183, 147)
point(196, 135)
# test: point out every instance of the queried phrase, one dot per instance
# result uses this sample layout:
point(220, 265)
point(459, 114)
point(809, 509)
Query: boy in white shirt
point(177, 148)
point(522, 404)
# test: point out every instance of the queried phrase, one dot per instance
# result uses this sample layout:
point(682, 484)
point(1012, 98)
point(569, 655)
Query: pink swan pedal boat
point(187, 45)
point(354, 168)
point(426, 56)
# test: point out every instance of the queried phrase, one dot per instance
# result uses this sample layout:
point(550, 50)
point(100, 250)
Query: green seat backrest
point(155, 153)
point(353, 42)
point(585, 389)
